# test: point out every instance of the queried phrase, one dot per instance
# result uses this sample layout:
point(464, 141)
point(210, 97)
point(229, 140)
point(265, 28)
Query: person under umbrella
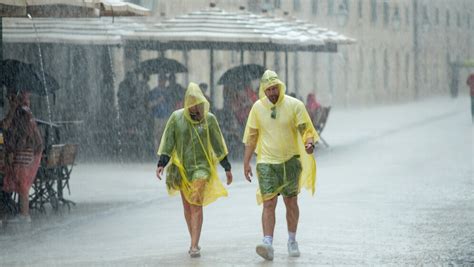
point(24, 146)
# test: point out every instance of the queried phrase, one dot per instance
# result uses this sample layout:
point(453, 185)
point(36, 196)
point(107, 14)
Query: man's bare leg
point(292, 216)
point(292, 213)
point(265, 250)
point(268, 216)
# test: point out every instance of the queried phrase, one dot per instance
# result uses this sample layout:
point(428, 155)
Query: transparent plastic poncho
point(195, 148)
point(280, 138)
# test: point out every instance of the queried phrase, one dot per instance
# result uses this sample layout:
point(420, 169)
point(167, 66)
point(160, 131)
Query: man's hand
point(229, 177)
point(159, 172)
point(248, 172)
point(309, 147)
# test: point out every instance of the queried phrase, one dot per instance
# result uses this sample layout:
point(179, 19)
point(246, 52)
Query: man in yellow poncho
point(280, 131)
point(193, 143)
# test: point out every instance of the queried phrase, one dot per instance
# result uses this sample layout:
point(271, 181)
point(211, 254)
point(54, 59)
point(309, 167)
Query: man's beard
point(273, 99)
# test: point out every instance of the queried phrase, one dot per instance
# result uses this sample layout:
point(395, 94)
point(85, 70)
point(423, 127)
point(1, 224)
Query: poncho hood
point(269, 79)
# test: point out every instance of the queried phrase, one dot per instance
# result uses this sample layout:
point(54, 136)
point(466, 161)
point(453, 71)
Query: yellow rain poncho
point(195, 148)
point(281, 130)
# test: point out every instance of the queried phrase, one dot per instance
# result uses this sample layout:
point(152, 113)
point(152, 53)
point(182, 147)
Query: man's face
point(273, 93)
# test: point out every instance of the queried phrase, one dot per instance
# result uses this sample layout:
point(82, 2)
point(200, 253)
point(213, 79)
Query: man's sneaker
point(195, 252)
point(265, 251)
point(20, 219)
point(293, 250)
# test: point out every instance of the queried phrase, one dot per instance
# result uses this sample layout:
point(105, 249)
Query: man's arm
point(249, 150)
point(309, 142)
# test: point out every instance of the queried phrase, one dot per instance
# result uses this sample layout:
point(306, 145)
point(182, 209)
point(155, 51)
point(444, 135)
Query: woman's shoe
point(20, 219)
point(195, 252)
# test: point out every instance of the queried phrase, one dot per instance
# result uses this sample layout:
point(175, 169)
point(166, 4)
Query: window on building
point(407, 15)
point(330, 7)
point(296, 5)
point(426, 18)
point(468, 20)
point(345, 6)
point(458, 19)
point(296, 72)
point(343, 12)
point(331, 73)
point(425, 70)
point(448, 18)
point(396, 78)
point(373, 11)
point(386, 70)
point(386, 13)
point(277, 3)
point(314, 7)
point(276, 62)
point(437, 16)
point(359, 8)
point(360, 69)
point(407, 70)
point(373, 71)
point(315, 71)
point(396, 20)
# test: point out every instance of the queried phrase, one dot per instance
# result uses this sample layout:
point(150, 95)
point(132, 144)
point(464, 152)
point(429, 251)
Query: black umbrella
point(161, 64)
point(18, 76)
point(242, 74)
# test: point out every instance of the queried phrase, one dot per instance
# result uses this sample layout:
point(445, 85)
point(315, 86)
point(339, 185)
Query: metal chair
point(320, 122)
point(53, 177)
point(67, 159)
point(44, 190)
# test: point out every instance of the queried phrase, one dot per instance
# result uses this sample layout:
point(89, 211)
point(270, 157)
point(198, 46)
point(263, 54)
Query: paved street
point(395, 187)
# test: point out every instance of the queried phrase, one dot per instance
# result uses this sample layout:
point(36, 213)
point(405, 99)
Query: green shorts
point(280, 178)
point(173, 178)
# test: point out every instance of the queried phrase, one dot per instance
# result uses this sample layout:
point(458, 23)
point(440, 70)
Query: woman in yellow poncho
point(193, 143)
point(280, 131)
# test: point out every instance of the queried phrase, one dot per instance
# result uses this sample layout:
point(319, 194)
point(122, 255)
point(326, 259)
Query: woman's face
point(24, 98)
point(11, 97)
point(196, 112)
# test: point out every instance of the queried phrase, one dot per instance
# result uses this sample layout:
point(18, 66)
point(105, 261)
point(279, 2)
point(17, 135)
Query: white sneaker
point(20, 219)
point(293, 250)
point(265, 251)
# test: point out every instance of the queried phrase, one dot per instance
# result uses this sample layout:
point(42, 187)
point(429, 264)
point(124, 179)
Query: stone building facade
point(403, 52)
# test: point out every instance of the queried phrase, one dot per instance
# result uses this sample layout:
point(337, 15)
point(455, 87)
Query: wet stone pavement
point(394, 188)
